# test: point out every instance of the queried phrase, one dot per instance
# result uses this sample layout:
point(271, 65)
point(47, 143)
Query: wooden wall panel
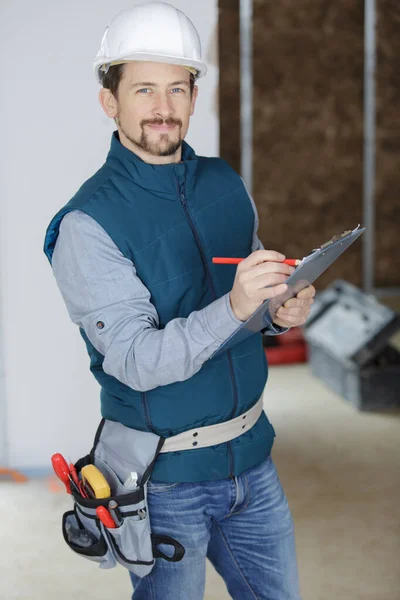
point(308, 89)
point(229, 81)
point(388, 144)
point(308, 125)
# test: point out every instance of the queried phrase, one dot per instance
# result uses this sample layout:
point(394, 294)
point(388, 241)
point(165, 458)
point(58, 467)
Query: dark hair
point(112, 78)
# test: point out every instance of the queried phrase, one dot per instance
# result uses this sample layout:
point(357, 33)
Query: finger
point(270, 267)
point(292, 321)
point(269, 280)
point(291, 312)
point(271, 292)
point(294, 313)
point(308, 292)
point(260, 256)
point(298, 302)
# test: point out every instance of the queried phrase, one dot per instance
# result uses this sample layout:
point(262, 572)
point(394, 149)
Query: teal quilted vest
point(170, 220)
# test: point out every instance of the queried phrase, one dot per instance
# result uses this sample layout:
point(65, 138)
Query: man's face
point(153, 107)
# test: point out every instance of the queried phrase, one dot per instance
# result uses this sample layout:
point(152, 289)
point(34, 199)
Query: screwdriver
point(62, 471)
point(74, 474)
point(105, 517)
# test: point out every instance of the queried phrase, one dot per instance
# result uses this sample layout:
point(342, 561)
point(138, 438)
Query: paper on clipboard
point(310, 268)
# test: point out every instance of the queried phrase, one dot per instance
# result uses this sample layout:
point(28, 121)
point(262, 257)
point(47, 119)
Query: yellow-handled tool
point(95, 483)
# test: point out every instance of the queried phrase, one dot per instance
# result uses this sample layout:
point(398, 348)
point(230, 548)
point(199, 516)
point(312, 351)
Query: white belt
point(211, 435)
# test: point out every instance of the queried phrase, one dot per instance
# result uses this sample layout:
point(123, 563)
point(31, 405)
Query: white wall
point(56, 136)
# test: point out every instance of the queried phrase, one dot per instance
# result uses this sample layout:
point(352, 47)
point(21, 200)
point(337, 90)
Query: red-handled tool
point(105, 517)
point(61, 469)
point(74, 474)
point(78, 485)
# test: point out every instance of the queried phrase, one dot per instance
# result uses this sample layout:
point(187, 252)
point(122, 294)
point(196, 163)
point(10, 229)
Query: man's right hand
point(259, 277)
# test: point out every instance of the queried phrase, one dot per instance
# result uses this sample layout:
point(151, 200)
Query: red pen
point(293, 262)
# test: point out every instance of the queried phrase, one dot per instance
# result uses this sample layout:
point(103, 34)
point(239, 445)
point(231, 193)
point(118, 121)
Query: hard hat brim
point(200, 67)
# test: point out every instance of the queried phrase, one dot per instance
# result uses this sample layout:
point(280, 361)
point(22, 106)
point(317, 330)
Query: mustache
point(170, 121)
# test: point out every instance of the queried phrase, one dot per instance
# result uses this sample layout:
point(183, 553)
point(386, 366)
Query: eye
point(177, 90)
point(144, 91)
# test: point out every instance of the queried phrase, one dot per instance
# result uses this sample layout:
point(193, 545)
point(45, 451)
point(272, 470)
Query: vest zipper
point(147, 412)
point(181, 190)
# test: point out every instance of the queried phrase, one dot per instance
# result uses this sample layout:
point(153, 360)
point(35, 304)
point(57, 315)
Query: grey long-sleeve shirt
point(98, 283)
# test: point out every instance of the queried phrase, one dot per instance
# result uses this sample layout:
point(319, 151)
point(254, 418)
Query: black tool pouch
point(118, 451)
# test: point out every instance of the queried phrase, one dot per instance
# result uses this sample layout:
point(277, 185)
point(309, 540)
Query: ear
point(108, 103)
point(194, 98)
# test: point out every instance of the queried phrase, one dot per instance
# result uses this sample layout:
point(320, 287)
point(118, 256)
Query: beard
point(164, 146)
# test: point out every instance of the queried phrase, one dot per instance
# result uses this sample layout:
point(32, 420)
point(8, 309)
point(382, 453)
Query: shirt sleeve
point(100, 285)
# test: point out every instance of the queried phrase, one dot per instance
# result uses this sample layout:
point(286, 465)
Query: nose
point(163, 106)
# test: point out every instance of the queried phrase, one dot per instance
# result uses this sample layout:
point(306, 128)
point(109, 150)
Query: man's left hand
point(296, 310)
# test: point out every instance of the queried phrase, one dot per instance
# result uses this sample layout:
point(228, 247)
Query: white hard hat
point(154, 31)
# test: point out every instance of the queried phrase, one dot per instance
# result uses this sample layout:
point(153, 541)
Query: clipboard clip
point(336, 238)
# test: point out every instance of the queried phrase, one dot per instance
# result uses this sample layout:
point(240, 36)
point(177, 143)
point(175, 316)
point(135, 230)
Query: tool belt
point(211, 435)
point(118, 451)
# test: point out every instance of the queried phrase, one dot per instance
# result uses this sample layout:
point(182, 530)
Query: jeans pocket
point(159, 487)
point(88, 542)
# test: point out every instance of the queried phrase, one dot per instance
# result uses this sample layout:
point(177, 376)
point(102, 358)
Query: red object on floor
point(286, 355)
point(291, 337)
point(291, 348)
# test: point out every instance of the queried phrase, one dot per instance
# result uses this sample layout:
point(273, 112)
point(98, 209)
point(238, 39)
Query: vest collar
point(165, 180)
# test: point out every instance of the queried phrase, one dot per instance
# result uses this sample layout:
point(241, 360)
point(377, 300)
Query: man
point(132, 255)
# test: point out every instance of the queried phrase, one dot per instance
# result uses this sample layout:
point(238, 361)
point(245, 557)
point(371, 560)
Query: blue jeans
point(243, 525)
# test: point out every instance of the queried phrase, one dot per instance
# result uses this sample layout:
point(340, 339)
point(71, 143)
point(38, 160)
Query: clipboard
point(309, 269)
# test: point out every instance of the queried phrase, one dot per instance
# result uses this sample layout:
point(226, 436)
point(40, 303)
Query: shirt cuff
point(230, 310)
point(270, 327)
point(220, 320)
point(273, 329)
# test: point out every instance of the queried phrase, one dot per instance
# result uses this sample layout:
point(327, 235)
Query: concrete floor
point(341, 473)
